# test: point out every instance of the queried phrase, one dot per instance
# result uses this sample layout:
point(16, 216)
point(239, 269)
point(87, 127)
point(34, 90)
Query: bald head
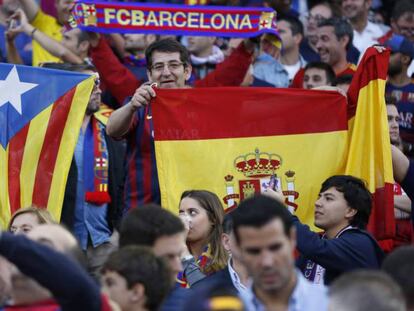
point(55, 236)
point(58, 238)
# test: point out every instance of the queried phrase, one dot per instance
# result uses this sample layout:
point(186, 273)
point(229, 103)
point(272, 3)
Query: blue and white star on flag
point(12, 88)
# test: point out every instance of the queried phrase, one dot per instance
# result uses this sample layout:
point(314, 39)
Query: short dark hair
point(400, 266)
point(342, 28)
point(330, 73)
point(362, 290)
point(390, 100)
point(84, 36)
point(401, 7)
point(145, 224)
point(355, 194)
point(295, 24)
point(258, 211)
point(70, 66)
point(138, 265)
point(227, 223)
point(167, 45)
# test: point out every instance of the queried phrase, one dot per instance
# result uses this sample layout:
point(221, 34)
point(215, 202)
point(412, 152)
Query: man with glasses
point(402, 23)
point(168, 66)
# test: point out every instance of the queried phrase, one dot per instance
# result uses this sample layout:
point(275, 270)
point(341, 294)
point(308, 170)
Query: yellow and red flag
point(369, 154)
point(41, 112)
point(232, 140)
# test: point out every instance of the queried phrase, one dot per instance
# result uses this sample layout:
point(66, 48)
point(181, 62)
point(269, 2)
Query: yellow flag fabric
point(233, 144)
point(232, 140)
point(369, 156)
point(37, 143)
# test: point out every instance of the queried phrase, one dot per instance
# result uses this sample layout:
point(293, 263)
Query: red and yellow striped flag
point(369, 154)
point(231, 140)
point(41, 115)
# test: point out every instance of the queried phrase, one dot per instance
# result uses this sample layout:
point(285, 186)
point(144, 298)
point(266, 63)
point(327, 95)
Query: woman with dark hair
point(203, 214)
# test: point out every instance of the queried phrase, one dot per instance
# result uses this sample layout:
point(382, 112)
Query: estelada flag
point(369, 156)
point(232, 140)
point(41, 112)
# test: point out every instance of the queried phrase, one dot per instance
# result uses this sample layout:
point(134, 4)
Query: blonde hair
point(42, 214)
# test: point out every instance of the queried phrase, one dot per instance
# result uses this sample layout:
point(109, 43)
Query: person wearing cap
point(400, 85)
point(267, 67)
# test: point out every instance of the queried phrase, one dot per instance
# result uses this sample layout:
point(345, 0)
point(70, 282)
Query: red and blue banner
point(164, 19)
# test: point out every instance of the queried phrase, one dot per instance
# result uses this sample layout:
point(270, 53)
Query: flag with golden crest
point(232, 142)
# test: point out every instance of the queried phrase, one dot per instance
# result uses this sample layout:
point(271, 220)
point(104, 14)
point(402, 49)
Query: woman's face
point(196, 217)
point(24, 223)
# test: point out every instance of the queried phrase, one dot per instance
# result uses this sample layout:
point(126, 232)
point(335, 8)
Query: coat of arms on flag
point(41, 111)
point(245, 135)
point(256, 169)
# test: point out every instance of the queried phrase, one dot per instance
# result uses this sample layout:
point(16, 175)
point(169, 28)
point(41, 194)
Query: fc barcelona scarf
point(164, 19)
point(96, 164)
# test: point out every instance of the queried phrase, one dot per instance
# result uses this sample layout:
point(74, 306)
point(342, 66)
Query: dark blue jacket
point(353, 249)
point(220, 277)
point(175, 300)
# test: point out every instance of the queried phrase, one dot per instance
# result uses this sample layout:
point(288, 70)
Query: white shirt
point(368, 37)
point(293, 69)
point(305, 296)
point(236, 280)
point(410, 70)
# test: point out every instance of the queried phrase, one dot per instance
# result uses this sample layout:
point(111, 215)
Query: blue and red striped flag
point(41, 112)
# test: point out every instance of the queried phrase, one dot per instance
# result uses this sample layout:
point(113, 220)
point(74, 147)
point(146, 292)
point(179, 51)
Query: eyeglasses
point(172, 66)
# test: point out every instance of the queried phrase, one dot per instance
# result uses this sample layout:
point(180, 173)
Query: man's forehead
point(326, 29)
point(269, 232)
point(314, 72)
point(160, 57)
point(392, 110)
point(331, 191)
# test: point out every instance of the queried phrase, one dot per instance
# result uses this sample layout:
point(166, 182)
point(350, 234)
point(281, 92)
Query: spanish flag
point(41, 112)
point(369, 155)
point(232, 140)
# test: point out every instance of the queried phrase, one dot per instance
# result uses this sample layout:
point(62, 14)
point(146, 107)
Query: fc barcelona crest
point(253, 171)
point(84, 14)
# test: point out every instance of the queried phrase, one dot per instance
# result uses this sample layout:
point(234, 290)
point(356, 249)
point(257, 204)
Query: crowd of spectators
point(121, 250)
